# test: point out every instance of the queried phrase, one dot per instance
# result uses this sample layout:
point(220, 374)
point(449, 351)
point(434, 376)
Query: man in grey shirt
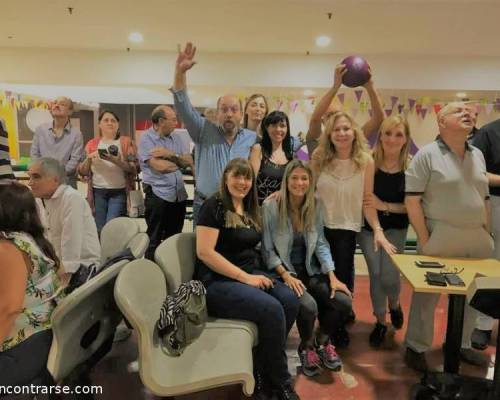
point(447, 200)
point(59, 139)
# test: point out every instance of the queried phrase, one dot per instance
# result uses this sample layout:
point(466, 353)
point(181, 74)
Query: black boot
point(262, 389)
point(378, 335)
point(286, 392)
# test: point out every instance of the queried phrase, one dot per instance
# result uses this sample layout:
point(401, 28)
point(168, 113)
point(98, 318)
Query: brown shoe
point(416, 360)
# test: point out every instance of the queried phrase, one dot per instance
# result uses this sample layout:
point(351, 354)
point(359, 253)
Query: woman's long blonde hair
point(308, 206)
point(240, 167)
point(378, 150)
point(326, 151)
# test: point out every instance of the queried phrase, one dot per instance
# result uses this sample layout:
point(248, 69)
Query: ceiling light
point(461, 95)
point(308, 92)
point(323, 41)
point(135, 37)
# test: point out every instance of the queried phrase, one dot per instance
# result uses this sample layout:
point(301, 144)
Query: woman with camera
point(111, 168)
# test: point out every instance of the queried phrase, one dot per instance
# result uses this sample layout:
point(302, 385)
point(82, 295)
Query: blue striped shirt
point(167, 186)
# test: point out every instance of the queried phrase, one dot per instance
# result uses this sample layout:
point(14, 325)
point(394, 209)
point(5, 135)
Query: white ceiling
point(402, 27)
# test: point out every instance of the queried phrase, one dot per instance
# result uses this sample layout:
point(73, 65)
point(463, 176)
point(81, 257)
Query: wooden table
point(471, 267)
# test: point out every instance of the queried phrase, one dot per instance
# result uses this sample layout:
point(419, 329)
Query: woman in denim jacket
point(294, 247)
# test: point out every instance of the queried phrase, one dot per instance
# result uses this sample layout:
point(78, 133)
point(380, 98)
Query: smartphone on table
point(429, 264)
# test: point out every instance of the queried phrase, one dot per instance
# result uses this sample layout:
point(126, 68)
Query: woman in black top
point(227, 232)
point(390, 154)
point(270, 157)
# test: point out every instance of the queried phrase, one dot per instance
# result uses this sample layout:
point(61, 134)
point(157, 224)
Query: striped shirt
point(5, 167)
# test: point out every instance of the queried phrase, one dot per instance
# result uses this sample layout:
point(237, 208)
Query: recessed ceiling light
point(322, 41)
point(461, 95)
point(308, 92)
point(135, 37)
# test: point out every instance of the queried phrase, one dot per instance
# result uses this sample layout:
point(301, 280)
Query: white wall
point(118, 68)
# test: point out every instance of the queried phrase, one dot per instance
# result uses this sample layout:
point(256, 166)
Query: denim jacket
point(277, 243)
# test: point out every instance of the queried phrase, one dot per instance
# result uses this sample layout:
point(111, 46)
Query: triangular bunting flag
point(363, 106)
point(423, 112)
point(411, 103)
point(358, 94)
point(341, 97)
point(437, 108)
point(394, 100)
point(497, 104)
point(388, 111)
point(400, 108)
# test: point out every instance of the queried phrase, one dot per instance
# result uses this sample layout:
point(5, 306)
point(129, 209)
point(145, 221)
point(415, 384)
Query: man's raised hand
point(185, 58)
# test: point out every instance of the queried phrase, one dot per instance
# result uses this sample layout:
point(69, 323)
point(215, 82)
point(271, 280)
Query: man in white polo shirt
point(447, 199)
point(66, 215)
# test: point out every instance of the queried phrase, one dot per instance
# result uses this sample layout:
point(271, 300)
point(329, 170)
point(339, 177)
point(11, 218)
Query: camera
point(102, 152)
point(113, 150)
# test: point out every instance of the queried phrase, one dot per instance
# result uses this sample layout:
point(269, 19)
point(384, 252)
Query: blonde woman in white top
point(344, 172)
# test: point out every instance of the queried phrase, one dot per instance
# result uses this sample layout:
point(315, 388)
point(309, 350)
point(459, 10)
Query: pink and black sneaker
point(310, 362)
point(329, 356)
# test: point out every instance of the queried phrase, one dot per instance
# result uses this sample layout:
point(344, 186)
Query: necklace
point(390, 167)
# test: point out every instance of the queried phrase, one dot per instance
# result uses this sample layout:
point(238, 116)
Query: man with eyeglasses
point(59, 139)
point(447, 200)
point(215, 143)
point(161, 155)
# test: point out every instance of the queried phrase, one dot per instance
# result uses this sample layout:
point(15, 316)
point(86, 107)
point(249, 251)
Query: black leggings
point(26, 362)
point(343, 245)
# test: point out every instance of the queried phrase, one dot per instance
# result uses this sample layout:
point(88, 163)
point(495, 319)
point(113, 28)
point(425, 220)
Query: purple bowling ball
point(357, 71)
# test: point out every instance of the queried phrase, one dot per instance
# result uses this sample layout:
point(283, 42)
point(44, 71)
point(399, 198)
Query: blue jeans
point(109, 204)
point(273, 312)
point(385, 284)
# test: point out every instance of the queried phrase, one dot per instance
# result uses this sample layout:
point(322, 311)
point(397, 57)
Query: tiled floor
point(368, 374)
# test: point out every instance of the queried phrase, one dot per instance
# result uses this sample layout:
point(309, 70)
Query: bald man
point(59, 139)
point(215, 143)
point(162, 154)
point(448, 168)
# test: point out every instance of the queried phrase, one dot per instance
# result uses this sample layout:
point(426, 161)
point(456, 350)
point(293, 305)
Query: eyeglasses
point(451, 270)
